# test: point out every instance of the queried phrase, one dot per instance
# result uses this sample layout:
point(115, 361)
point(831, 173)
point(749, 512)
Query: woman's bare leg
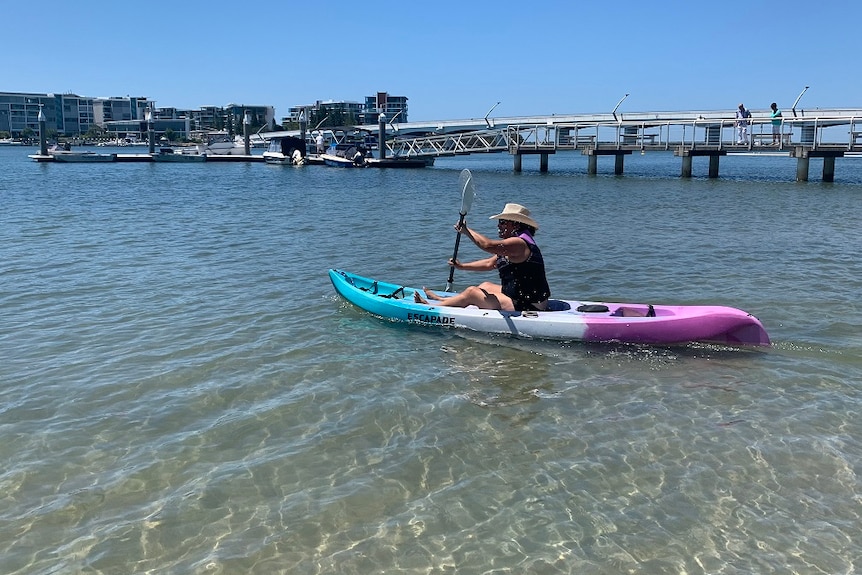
point(484, 296)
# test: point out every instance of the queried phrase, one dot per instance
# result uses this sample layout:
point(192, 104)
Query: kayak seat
point(633, 312)
point(557, 305)
point(592, 308)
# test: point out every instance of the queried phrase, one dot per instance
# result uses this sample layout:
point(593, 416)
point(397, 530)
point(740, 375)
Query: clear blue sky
point(452, 59)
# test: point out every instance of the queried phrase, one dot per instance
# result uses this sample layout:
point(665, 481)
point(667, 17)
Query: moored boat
point(345, 155)
point(222, 144)
point(179, 155)
point(567, 320)
point(287, 150)
point(68, 156)
point(337, 161)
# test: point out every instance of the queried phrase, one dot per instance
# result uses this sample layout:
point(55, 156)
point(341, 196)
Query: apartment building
point(344, 113)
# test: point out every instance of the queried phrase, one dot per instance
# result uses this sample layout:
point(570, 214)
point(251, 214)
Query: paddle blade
point(468, 191)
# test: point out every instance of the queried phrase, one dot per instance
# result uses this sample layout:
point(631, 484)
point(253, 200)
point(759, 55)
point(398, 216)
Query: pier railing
point(812, 131)
point(483, 141)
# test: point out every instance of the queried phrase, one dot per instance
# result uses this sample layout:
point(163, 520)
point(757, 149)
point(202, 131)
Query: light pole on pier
point(489, 113)
point(793, 108)
point(618, 105)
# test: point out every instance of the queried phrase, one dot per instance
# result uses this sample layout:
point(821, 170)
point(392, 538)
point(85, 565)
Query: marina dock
point(149, 158)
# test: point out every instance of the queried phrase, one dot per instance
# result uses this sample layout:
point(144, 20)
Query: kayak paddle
point(468, 191)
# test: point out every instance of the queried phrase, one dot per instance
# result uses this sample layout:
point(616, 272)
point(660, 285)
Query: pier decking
point(826, 134)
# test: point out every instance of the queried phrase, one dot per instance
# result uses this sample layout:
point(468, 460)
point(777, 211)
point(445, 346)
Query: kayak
point(566, 320)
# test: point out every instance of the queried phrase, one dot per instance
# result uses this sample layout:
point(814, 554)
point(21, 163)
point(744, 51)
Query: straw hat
point(516, 213)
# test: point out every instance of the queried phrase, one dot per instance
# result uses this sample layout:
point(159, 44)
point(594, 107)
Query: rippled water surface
point(182, 392)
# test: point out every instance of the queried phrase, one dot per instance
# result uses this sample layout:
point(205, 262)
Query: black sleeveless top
point(525, 282)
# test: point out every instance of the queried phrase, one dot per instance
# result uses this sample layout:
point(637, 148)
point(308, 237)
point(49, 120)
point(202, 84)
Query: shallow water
point(182, 392)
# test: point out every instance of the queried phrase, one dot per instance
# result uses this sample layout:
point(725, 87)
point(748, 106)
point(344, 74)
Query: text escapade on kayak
point(426, 318)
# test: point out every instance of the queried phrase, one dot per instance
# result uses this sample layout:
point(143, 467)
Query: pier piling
point(829, 169)
point(686, 167)
point(687, 154)
point(151, 132)
point(246, 131)
point(43, 138)
point(593, 154)
point(803, 157)
point(381, 135)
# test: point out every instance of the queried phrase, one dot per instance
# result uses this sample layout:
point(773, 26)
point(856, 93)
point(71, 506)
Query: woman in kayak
point(516, 257)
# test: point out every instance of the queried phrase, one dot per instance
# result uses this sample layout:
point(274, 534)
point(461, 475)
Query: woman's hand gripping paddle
point(468, 191)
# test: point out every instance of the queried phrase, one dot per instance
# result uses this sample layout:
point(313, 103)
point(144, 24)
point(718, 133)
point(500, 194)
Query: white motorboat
point(67, 156)
point(220, 143)
point(179, 155)
point(286, 150)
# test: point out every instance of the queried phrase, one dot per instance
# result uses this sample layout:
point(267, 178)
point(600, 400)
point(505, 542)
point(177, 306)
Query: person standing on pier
point(742, 116)
point(776, 124)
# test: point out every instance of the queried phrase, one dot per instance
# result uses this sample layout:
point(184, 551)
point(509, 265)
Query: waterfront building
point(259, 115)
point(66, 115)
point(117, 109)
point(330, 112)
point(395, 108)
point(348, 113)
point(19, 112)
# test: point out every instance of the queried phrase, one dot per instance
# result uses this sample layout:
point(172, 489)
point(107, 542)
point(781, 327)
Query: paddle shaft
point(455, 253)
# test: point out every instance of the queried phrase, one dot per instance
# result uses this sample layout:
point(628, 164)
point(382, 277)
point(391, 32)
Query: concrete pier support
point(713, 166)
point(594, 153)
point(246, 131)
point(829, 169)
point(151, 131)
point(688, 153)
point(303, 129)
point(802, 169)
point(686, 167)
point(618, 164)
point(381, 136)
point(543, 157)
point(43, 136)
point(803, 157)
